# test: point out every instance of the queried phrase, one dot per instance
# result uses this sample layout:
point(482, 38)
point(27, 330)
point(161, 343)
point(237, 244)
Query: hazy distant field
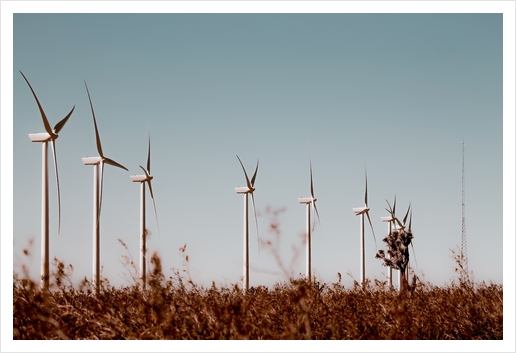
point(174, 309)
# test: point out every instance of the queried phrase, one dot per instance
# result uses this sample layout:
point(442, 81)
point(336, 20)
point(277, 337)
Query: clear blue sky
point(394, 93)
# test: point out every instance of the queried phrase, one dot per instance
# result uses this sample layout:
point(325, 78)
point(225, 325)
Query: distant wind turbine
point(361, 211)
point(401, 226)
point(97, 202)
point(309, 227)
point(246, 190)
point(392, 220)
point(389, 220)
point(44, 137)
point(142, 179)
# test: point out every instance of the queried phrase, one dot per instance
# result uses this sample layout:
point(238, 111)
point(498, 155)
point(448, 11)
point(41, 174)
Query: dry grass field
point(174, 309)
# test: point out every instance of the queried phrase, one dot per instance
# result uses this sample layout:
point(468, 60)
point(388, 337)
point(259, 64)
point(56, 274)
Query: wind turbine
point(97, 202)
point(361, 211)
point(246, 190)
point(390, 227)
point(309, 228)
point(142, 179)
point(389, 221)
point(399, 226)
point(44, 137)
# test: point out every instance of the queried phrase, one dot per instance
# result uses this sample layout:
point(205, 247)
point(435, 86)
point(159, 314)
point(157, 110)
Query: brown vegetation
point(177, 308)
point(290, 310)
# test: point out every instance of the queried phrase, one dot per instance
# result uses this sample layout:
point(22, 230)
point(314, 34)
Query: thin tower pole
point(464, 245)
point(308, 244)
point(96, 230)
point(143, 238)
point(45, 273)
point(389, 271)
point(246, 241)
point(362, 250)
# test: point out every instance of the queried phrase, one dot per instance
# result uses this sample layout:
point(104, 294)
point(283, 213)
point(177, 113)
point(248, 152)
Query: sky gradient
point(393, 94)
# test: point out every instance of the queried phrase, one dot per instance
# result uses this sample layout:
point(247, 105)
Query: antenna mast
point(464, 245)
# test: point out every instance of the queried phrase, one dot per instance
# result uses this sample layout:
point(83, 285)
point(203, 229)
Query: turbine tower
point(464, 245)
point(360, 211)
point(142, 179)
point(44, 137)
point(309, 228)
point(97, 199)
point(246, 190)
point(389, 220)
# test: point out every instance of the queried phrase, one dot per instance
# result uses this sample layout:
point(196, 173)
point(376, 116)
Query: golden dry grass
point(294, 309)
point(291, 310)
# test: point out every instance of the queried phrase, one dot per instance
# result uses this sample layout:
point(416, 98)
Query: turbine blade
point(311, 182)
point(366, 189)
point(43, 116)
point(406, 215)
point(101, 185)
point(317, 213)
point(371, 224)
point(410, 222)
point(101, 190)
point(113, 163)
point(390, 208)
point(154, 205)
point(99, 146)
point(148, 156)
point(399, 223)
point(62, 123)
point(249, 185)
point(58, 189)
point(256, 221)
point(254, 175)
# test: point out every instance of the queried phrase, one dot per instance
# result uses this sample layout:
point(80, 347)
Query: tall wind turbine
point(97, 201)
point(360, 211)
point(44, 137)
point(309, 228)
point(142, 179)
point(246, 190)
point(391, 226)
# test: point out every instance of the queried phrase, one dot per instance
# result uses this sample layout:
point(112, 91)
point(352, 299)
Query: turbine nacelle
point(92, 160)
point(42, 137)
point(360, 210)
point(244, 190)
point(140, 178)
point(307, 200)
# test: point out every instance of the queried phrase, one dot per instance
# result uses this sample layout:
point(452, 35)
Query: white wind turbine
point(97, 202)
point(361, 211)
point(246, 190)
point(44, 137)
point(398, 226)
point(309, 228)
point(142, 179)
point(390, 227)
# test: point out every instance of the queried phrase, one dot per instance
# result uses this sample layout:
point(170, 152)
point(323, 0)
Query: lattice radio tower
point(464, 245)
